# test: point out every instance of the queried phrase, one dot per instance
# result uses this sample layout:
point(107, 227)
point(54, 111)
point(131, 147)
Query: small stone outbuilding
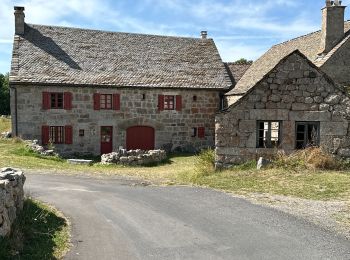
point(293, 106)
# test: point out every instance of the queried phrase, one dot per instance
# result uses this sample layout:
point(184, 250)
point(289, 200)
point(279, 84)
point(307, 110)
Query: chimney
point(19, 20)
point(332, 25)
point(204, 34)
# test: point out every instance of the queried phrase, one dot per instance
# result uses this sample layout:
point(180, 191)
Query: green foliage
point(243, 61)
point(204, 165)
point(26, 151)
point(4, 94)
point(39, 232)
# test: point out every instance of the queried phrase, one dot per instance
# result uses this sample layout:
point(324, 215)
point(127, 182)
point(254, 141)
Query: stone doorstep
point(79, 161)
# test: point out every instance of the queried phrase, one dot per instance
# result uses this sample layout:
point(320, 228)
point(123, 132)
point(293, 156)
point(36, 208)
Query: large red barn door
point(140, 137)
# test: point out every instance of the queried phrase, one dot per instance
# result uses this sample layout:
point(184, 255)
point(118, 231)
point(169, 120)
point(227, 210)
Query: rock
point(11, 197)
point(6, 135)
point(262, 163)
point(79, 161)
point(134, 157)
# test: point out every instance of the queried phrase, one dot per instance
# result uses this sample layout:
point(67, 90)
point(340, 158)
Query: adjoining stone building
point(291, 97)
point(90, 91)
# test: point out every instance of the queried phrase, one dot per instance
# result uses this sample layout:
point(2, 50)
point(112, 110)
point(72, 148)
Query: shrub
point(315, 158)
point(204, 165)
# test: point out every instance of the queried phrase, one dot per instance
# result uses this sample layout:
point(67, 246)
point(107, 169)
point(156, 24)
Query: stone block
point(333, 128)
point(310, 116)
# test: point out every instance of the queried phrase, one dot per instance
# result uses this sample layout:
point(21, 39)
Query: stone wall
point(134, 157)
point(294, 91)
point(139, 107)
point(11, 197)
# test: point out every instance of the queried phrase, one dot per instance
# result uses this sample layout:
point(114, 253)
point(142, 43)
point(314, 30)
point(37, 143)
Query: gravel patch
point(331, 215)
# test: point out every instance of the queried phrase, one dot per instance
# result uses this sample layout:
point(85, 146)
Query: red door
point(106, 139)
point(140, 137)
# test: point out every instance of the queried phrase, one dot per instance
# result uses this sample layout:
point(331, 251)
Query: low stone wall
point(11, 197)
point(34, 146)
point(134, 157)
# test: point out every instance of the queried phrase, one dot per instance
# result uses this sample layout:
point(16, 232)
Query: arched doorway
point(140, 137)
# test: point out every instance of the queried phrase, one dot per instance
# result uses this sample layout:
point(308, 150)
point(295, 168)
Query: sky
point(240, 28)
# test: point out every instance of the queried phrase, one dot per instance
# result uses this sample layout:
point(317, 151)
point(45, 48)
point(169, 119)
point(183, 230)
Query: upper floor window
point(106, 101)
point(56, 100)
point(307, 134)
point(169, 102)
point(269, 134)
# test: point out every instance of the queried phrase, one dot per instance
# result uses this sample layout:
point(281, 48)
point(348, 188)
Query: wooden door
point(140, 137)
point(106, 139)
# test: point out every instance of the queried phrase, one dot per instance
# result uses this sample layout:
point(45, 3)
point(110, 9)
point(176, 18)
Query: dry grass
point(5, 125)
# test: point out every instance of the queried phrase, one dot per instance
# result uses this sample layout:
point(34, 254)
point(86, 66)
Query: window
point(56, 100)
point(194, 132)
point(194, 98)
point(269, 134)
point(56, 134)
point(307, 134)
point(59, 100)
point(81, 132)
point(106, 101)
point(169, 102)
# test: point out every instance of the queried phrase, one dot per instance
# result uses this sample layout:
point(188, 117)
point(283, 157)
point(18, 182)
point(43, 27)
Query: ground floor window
point(269, 134)
point(307, 134)
point(56, 134)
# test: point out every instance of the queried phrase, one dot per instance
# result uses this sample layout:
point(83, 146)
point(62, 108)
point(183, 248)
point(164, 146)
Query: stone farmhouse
point(89, 91)
point(292, 97)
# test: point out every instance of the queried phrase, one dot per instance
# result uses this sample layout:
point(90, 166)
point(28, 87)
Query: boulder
point(262, 163)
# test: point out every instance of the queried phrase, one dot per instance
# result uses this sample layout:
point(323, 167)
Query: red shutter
point(96, 101)
point(68, 134)
point(201, 132)
point(178, 103)
point(116, 101)
point(160, 102)
point(45, 134)
point(67, 100)
point(46, 100)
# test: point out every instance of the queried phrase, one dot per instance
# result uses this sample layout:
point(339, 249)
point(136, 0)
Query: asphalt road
point(123, 219)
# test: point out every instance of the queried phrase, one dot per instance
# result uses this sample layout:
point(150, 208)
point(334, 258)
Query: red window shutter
point(46, 100)
point(96, 101)
point(116, 101)
point(160, 102)
point(45, 134)
point(178, 103)
point(201, 132)
point(68, 134)
point(67, 100)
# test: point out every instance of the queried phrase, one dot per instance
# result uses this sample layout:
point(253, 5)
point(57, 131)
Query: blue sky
point(240, 28)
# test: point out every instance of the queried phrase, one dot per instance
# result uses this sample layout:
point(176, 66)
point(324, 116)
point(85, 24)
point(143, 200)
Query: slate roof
point(237, 70)
point(61, 55)
point(307, 45)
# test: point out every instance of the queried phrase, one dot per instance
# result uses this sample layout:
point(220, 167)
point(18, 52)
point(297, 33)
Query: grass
point(39, 232)
point(302, 175)
point(5, 125)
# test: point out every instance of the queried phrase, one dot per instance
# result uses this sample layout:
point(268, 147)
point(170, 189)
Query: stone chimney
point(204, 34)
point(19, 20)
point(332, 25)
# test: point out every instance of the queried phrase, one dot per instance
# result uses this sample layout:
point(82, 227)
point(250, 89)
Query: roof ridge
point(302, 36)
point(113, 32)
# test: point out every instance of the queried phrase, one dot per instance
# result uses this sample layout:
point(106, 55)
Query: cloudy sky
point(240, 28)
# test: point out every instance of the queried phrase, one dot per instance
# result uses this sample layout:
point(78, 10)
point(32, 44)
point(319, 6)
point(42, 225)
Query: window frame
point(279, 141)
point(104, 105)
point(167, 102)
point(57, 134)
point(54, 97)
point(306, 123)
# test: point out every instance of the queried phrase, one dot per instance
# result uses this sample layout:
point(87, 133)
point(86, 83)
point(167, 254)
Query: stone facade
point(295, 90)
point(138, 107)
point(11, 197)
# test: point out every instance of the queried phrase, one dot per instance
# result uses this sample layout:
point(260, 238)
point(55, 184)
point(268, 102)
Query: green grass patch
point(39, 232)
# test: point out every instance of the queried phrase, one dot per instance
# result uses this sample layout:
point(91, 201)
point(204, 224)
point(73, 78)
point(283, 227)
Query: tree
point(243, 61)
point(4, 94)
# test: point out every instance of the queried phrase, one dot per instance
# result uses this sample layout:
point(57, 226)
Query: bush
point(315, 158)
point(204, 164)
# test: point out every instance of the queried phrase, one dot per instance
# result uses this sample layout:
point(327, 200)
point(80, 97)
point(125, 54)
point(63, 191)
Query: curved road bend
point(121, 219)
